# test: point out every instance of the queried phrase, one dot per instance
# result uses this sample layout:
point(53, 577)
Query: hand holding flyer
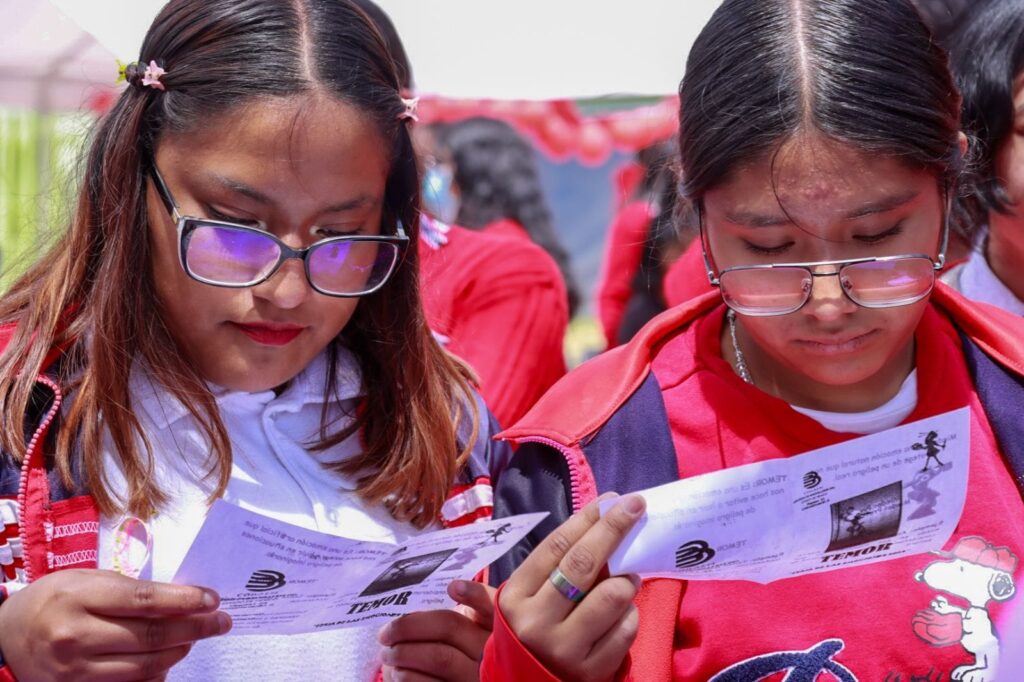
point(877, 497)
point(277, 578)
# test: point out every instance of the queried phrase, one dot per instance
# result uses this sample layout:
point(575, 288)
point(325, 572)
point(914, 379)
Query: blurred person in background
point(497, 188)
point(496, 302)
point(987, 53)
point(643, 241)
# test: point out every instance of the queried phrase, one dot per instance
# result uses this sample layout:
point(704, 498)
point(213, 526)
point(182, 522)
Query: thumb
point(476, 601)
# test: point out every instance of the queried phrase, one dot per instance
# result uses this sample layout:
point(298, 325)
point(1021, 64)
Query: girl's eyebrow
point(360, 201)
point(883, 205)
point(751, 219)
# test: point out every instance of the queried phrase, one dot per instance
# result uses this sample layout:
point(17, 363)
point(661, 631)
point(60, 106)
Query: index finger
point(117, 595)
point(536, 568)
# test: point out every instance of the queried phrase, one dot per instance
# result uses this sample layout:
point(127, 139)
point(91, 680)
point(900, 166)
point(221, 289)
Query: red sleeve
point(501, 305)
point(623, 251)
point(6, 675)
point(687, 278)
point(507, 660)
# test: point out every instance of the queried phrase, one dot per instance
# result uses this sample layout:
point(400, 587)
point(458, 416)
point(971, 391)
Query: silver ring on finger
point(565, 587)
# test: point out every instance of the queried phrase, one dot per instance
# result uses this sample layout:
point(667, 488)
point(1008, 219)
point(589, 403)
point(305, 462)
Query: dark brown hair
point(93, 292)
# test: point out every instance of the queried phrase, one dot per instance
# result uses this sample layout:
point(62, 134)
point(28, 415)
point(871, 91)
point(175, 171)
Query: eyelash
point(327, 233)
point(767, 250)
point(322, 232)
point(893, 231)
point(217, 215)
point(865, 239)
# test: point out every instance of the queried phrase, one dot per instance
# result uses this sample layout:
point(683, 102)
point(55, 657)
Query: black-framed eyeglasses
point(781, 288)
point(226, 254)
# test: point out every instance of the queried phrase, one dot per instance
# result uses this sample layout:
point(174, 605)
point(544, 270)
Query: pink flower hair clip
point(410, 109)
point(151, 77)
point(135, 75)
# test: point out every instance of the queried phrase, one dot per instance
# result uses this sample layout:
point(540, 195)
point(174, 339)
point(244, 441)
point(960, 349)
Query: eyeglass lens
point(880, 284)
point(236, 257)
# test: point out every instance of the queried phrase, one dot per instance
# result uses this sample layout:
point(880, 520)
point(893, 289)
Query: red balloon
point(595, 143)
point(558, 137)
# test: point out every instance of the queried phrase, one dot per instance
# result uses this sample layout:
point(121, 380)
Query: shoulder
point(999, 333)
point(481, 256)
point(586, 398)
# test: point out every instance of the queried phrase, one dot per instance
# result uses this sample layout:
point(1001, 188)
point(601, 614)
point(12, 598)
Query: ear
point(1000, 586)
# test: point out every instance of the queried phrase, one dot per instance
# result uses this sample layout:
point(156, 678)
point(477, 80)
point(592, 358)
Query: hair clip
point(410, 109)
point(152, 75)
point(135, 75)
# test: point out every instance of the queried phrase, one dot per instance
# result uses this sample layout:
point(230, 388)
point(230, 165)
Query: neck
point(796, 388)
point(1005, 252)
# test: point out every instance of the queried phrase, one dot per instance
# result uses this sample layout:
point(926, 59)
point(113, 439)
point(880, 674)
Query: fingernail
point(210, 599)
point(223, 622)
point(633, 505)
point(459, 588)
point(384, 634)
point(387, 655)
point(611, 494)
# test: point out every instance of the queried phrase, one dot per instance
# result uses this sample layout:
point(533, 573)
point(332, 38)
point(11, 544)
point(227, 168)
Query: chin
point(251, 380)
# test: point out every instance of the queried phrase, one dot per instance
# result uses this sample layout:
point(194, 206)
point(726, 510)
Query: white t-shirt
point(274, 474)
point(881, 418)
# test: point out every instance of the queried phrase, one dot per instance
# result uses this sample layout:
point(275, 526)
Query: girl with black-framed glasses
point(233, 313)
point(820, 147)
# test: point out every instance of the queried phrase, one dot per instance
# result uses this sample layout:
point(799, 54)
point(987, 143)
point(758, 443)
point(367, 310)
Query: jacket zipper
point(570, 460)
point(26, 465)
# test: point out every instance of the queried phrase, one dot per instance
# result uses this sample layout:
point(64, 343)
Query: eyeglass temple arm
point(940, 262)
point(164, 192)
point(708, 268)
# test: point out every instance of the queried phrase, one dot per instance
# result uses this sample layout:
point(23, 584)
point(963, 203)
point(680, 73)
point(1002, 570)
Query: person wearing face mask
point(499, 304)
point(232, 314)
point(820, 146)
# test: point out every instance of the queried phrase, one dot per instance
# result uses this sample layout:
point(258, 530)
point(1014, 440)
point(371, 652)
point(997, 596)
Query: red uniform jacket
point(670, 390)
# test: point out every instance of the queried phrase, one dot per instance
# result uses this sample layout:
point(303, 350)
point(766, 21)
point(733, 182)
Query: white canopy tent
point(529, 49)
point(48, 62)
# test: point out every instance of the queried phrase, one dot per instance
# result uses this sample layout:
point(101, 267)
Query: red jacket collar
point(579, 404)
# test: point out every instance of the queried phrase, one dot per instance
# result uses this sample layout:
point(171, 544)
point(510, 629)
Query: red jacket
point(499, 303)
point(873, 622)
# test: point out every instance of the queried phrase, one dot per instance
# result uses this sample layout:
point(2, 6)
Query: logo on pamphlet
point(812, 479)
point(265, 580)
point(694, 553)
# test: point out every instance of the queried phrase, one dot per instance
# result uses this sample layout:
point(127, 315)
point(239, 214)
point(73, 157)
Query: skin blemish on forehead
point(817, 185)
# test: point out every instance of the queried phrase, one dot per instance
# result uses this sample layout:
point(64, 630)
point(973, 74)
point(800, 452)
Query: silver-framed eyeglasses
point(781, 288)
point(227, 254)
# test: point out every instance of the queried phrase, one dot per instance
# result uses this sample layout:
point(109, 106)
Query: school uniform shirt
point(497, 301)
point(916, 618)
point(624, 248)
point(272, 473)
point(978, 282)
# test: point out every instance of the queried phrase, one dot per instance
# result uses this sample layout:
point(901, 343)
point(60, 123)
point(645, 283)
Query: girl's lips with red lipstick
point(270, 334)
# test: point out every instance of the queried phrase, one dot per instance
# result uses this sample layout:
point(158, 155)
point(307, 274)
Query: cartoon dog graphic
point(977, 572)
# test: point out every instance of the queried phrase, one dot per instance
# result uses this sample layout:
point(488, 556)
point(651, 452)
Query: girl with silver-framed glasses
point(820, 147)
point(233, 313)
